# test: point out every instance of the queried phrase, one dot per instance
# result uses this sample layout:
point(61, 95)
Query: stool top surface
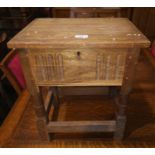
point(79, 32)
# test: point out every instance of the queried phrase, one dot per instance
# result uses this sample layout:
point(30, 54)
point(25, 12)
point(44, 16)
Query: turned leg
point(41, 116)
point(56, 97)
point(112, 91)
point(120, 117)
point(121, 100)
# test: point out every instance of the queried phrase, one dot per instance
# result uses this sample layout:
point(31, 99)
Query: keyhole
point(78, 54)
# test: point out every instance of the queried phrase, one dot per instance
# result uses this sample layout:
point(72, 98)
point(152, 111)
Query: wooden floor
point(140, 129)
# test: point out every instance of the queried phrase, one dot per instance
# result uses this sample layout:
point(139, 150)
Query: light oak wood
point(60, 33)
point(79, 52)
point(66, 68)
point(42, 118)
point(130, 66)
point(140, 117)
point(81, 126)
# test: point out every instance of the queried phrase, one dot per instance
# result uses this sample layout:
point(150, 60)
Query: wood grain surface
point(107, 56)
point(61, 33)
point(140, 130)
point(77, 67)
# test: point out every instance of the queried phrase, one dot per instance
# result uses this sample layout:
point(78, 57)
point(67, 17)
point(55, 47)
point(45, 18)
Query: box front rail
point(77, 67)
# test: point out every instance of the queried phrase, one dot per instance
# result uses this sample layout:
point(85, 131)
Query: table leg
point(121, 100)
point(56, 97)
point(120, 117)
point(41, 117)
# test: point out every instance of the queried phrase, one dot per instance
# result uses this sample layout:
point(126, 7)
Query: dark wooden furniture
point(144, 19)
point(8, 80)
point(12, 120)
point(5, 100)
point(94, 12)
point(85, 12)
point(7, 73)
point(79, 52)
point(13, 19)
point(59, 12)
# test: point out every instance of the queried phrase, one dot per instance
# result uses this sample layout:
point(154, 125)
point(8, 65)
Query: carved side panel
point(110, 66)
point(47, 67)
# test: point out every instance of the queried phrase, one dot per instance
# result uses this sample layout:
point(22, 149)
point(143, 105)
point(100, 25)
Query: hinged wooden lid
point(79, 33)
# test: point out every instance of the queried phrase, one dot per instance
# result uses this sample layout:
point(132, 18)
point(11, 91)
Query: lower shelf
point(81, 126)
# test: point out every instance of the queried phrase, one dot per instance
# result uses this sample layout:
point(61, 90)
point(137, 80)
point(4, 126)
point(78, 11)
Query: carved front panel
point(77, 66)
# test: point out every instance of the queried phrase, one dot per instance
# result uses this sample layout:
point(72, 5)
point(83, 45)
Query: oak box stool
point(79, 52)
